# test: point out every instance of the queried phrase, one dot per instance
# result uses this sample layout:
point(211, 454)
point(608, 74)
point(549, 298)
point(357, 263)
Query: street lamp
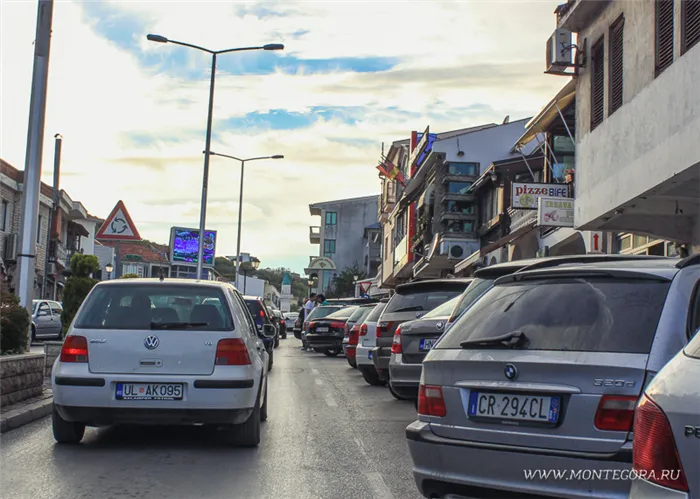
point(205, 181)
point(254, 263)
point(109, 268)
point(240, 196)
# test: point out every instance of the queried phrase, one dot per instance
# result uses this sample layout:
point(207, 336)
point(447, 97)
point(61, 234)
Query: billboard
point(525, 195)
point(555, 212)
point(184, 245)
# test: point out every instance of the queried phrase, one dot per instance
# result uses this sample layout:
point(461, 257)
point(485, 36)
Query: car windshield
point(443, 310)
point(148, 306)
point(577, 314)
point(420, 300)
point(321, 312)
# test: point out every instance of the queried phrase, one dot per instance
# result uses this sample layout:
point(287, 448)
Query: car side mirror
point(269, 331)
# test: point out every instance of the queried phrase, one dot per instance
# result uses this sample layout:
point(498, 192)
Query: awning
point(79, 229)
point(549, 113)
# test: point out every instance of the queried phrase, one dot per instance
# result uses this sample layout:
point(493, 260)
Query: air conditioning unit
point(51, 270)
point(11, 243)
point(454, 250)
point(559, 51)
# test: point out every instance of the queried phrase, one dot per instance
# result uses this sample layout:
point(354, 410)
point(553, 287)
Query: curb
point(27, 413)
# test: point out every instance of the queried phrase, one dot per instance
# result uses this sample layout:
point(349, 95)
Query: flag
point(382, 170)
point(392, 171)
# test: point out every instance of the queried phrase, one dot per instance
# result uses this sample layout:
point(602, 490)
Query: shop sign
point(555, 212)
point(525, 195)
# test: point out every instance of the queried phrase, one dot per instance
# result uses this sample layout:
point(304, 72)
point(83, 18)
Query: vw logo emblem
point(151, 342)
point(511, 371)
point(439, 325)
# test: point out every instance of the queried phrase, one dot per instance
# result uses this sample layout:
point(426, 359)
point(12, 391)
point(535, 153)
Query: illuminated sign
point(184, 245)
point(525, 195)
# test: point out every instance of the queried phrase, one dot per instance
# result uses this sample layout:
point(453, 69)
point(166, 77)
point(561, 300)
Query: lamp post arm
point(193, 46)
point(239, 49)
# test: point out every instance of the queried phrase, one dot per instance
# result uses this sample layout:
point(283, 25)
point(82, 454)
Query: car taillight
point(615, 413)
point(383, 328)
point(430, 401)
point(262, 314)
point(353, 338)
point(396, 344)
point(655, 456)
point(363, 330)
point(232, 352)
point(75, 349)
point(338, 325)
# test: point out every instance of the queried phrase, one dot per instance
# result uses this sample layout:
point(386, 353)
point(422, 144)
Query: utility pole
point(54, 213)
point(26, 257)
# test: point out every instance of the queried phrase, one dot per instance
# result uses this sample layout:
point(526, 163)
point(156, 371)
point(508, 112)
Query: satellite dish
point(506, 119)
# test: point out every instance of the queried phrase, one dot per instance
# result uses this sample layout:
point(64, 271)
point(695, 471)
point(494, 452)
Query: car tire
point(263, 409)
point(33, 334)
point(277, 341)
point(332, 352)
point(66, 432)
point(396, 395)
point(371, 377)
point(246, 434)
point(352, 363)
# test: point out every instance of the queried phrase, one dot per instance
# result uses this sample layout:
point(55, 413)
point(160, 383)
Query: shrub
point(14, 323)
point(78, 286)
point(129, 276)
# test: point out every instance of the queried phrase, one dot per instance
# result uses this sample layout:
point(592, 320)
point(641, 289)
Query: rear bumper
point(381, 357)
point(438, 468)
point(404, 378)
point(642, 489)
point(362, 356)
point(323, 341)
point(101, 416)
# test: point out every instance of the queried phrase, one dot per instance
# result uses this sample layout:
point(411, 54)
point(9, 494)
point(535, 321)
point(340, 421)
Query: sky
point(353, 75)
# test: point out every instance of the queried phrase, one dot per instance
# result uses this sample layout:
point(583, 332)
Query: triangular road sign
point(119, 226)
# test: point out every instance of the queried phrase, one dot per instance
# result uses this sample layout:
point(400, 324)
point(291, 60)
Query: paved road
point(329, 435)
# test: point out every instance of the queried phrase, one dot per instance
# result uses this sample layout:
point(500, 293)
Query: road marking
point(362, 447)
point(319, 381)
point(331, 401)
point(314, 372)
point(379, 487)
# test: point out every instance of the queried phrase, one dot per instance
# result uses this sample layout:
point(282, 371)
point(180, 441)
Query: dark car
point(325, 335)
point(281, 325)
point(261, 316)
point(411, 301)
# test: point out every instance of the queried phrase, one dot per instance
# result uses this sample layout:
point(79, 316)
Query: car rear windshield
point(420, 300)
point(358, 313)
point(320, 312)
point(343, 313)
point(257, 310)
point(577, 314)
point(146, 306)
point(476, 288)
point(376, 313)
point(443, 310)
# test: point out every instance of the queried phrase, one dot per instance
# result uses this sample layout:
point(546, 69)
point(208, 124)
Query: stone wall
point(52, 350)
point(21, 377)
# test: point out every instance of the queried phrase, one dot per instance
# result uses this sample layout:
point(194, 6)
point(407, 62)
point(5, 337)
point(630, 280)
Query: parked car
point(325, 334)
point(46, 319)
point(289, 320)
point(544, 372)
point(352, 332)
point(367, 340)
point(410, 301)
point(667, 428)
point(319, 312)
point(412, 342)
point(279, 322)
point(131, 358)
point(261, 317)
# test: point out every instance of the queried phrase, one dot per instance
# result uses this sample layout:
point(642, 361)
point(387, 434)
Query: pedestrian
point(308, 308)
point(321, 300)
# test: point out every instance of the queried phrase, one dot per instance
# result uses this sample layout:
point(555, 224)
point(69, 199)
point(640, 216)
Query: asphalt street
point(329, 435)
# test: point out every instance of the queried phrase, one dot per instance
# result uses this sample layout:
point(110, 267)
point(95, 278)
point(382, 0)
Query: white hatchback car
point(170, 351)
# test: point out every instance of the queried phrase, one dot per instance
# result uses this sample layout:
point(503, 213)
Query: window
point(459, 226)
point(625, 242)
point(690, 24)
point(331, 218)
point(458, 187)
point(617, 70)
point(38, 231)
point(597, 83)
point(460, 207)
point(4, 215)
point(463, 169)
point(664, 35)
point(329, 246)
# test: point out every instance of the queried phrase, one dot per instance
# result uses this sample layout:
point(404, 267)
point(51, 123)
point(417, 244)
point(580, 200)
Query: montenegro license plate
point(149, 391)
point(514, 407)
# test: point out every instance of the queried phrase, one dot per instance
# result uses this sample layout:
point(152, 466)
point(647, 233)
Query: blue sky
point(352, 75)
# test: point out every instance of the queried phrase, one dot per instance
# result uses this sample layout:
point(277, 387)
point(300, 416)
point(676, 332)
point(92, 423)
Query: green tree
point(344, 283)
point(14, 323)
point(129, 276)
point(79, 284)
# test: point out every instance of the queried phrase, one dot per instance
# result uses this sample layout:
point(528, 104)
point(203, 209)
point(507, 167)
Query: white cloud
point(454, 54)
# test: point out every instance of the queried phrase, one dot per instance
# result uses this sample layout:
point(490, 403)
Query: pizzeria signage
point(555, 212)
point(525, 196)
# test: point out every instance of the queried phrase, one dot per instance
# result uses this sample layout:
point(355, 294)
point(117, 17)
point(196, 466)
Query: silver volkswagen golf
point(149, 351)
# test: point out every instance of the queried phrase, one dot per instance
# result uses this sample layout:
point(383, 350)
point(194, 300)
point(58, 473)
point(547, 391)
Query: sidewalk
point(22, 413)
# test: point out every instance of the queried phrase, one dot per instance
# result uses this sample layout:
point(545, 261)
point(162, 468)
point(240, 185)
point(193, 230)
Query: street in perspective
point(463, 261)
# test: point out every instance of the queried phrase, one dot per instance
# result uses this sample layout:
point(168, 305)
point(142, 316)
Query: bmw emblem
point(439, 325)
point(511, 371)
point(151, 342)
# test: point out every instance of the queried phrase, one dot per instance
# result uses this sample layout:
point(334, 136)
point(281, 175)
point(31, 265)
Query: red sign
point(119, 226)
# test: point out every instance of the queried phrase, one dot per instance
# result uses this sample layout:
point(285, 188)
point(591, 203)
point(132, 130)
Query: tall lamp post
point(109, 268)
point(311, 285)
point(254, 263)
point(240, 195)
point(205, 181)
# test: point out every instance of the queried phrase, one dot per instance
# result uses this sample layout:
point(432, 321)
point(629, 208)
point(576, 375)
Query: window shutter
point(597, 83)
point(616, 65)
point(691, 24)
point(664, 34)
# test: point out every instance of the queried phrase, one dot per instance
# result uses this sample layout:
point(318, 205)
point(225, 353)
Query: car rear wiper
point(508, 340)
point(414, 308)
point(177, 325)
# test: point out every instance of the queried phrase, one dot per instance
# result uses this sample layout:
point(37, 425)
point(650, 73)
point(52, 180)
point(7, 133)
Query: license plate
point(149, 391)
point(321, 329)
point(426, 344)
point(369, 356)
point(505, 406)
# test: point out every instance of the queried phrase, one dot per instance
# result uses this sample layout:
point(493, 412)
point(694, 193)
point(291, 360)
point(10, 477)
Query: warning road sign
point(119, 226)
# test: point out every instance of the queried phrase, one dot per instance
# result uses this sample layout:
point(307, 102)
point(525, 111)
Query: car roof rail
point(555, 262)
point(688, 261)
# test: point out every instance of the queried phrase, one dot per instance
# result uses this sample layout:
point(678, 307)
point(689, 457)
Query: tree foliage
point(344, 283)
point(14, 323)
point(129, 276)
point(78, 285)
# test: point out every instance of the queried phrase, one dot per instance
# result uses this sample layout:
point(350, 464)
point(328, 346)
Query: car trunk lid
point(418, 337)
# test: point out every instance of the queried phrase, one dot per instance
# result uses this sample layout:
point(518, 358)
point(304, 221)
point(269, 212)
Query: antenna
point(506, 119)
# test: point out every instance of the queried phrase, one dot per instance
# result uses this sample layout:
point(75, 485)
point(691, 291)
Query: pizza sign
point(525, 195)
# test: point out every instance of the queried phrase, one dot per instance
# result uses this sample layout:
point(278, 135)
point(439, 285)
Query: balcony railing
point(401, 250)
point(315, 235)
point(59, 253)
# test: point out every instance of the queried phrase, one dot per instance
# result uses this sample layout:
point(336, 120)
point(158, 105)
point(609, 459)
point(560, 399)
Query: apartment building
point(637, 117)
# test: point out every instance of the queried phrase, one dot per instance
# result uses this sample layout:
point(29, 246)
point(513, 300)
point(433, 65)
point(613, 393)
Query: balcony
point(576, 15)
point(315, 234)
point(401, 251)
point(58, 253)
point(387, 201)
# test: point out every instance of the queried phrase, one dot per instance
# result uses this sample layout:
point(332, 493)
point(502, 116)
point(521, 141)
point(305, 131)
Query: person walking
point(321, 300)
point(308, 308)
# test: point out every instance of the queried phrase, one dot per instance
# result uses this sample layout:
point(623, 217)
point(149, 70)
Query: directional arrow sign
point(119, 226)
point(595, 242)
